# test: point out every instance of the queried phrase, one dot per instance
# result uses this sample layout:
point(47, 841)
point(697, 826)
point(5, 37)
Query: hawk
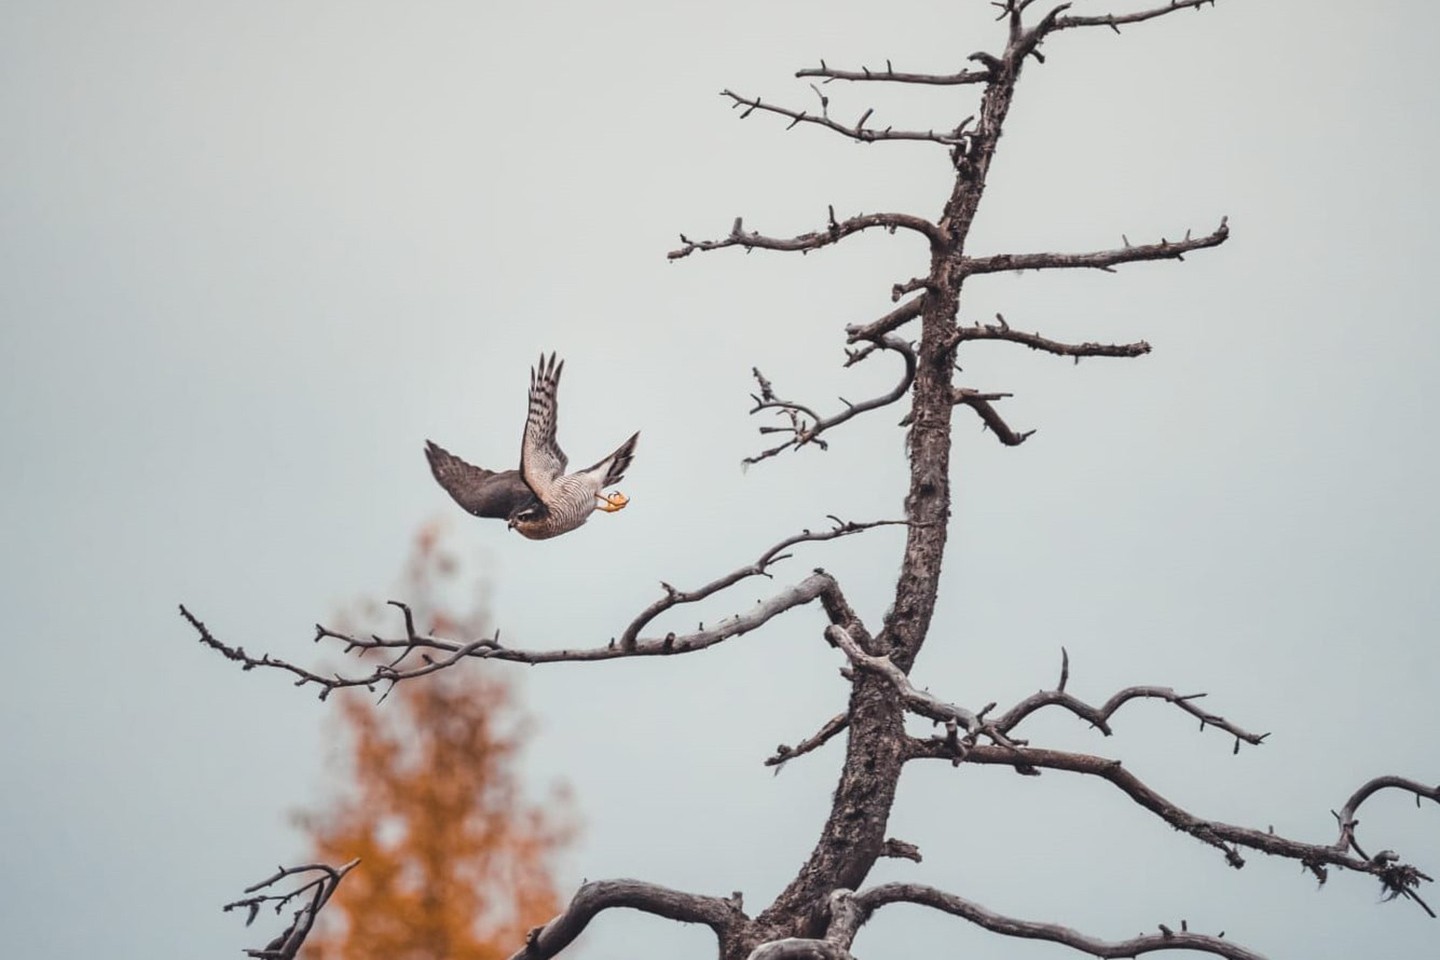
point(540, 500)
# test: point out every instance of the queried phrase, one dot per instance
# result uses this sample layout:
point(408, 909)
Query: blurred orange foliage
point(455, 862)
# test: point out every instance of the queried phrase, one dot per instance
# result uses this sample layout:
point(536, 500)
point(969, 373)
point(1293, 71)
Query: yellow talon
point(613, 502)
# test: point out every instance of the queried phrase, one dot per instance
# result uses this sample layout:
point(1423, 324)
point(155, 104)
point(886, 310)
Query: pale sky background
point(253, 254)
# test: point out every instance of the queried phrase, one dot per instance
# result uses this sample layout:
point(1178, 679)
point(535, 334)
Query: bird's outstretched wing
point(614, 466)
point(541, 459)
point(482, 492)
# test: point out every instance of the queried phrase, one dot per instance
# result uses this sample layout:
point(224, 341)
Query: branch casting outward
point(439, 653)
point(1398, 880)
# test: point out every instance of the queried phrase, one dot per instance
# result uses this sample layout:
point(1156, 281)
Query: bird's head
point(526, 518)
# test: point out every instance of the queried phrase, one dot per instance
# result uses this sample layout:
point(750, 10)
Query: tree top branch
point(1116, 20)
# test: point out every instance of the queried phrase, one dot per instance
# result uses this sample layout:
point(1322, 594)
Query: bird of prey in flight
point(540, 500)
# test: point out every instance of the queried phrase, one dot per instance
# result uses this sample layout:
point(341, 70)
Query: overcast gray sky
point(253, 254)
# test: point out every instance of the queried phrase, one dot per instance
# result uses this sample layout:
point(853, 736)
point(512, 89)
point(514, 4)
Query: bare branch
point(918, 701)
point(1003, 331)
point(1372, 787)
point(901, 850)
point(806, 425)
point(438, 653)
point(896, 76)
point(1105, 260)
point(785, 753)
point(287, 945)
point(858, 132)
point(718, 913)
point(1099, 717)
point(1115, 21)
point(384, 673)
point(893, 320)
point(487, 649)
point(981, 403)
point(836, 231)
point(760, 568)
point(870, 900)
point(1397, 879)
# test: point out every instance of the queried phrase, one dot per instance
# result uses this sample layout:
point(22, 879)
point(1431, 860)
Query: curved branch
point(1372, 787)
point(805, 424)
point(836, 231)
point(874, 898)
point(1397, 879)
point(718, 913)
point(1105, 260)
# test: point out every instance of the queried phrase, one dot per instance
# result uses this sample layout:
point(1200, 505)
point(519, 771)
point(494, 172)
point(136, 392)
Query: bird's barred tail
point(619, 461)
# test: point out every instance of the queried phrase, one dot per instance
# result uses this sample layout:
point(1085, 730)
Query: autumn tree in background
point(455, 863)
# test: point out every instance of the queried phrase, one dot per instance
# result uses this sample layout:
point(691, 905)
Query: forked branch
point(313, 894)
point(804, 424)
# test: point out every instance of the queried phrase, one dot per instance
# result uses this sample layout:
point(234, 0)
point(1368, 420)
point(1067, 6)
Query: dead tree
point(818, 914)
